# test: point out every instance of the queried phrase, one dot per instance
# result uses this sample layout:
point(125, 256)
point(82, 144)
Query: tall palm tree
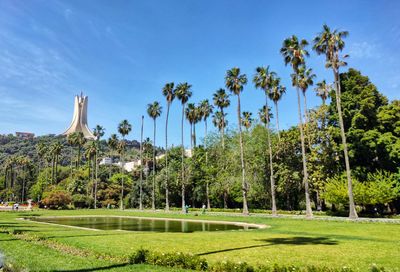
point(169, 93)
point(90, 153)
point(322, 90)
point(275, 94)
point(56, 149)
point(235, 81)
point(183, 93)
point(77, 139)
point(98, 132)
point(222, 101)
point(154, 111)
point(190, 113)
point(331, 43)
point(263, 79)
point(294, 52)
point(141, 167)
point(247, 120)
point(112, 144)
point(305, 80)
point(123, 128)
point(219, 120)
point(206, 109)
point(263, 114)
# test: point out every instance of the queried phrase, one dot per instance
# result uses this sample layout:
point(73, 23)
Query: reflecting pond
point(143, 224)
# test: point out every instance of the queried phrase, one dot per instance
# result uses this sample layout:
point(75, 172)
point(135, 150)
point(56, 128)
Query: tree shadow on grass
point(100, 268)
point(280, 241)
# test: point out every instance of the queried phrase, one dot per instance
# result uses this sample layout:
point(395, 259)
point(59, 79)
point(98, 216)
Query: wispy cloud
point(364, 50)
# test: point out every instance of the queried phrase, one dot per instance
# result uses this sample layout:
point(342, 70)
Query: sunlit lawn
point(286, 242)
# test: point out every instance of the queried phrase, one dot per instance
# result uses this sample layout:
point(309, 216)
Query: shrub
point(140, 256)
point(82, 201)
point(232, 267)
point(57, 200)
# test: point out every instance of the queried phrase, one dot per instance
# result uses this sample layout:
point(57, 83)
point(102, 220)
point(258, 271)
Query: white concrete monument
point(79, 120)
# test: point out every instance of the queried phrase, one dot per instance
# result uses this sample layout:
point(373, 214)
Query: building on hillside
point(25, 135)
point(106, 161)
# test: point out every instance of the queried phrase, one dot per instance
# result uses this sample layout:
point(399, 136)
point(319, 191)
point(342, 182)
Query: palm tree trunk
point(303, 153)
point(207, 180)
point(166, 160)
point(352, 212)
point(272, 179)
point(141, 168)
point(153, 196)
point(194, 134)
point(244, 183)
point(223, 130)
point(277, 120)
point(96, 165)
point(182, 162)
point(306, 120)
point(122, 178)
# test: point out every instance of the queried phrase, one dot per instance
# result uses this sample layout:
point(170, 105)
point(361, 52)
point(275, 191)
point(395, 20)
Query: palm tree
point(206, 109)
point(263, 79)
point(141, 167)
point(91, 150)
point(154, 111)
point(123, 128)
point(221, 100)
point(331, 43)
point(263, 114)
point(112, 143)
point(304, 80)
point(77, 139)
point(323, 89)
point(169, 93)
point(98, 132)
point(190, 114)
point(55, 150)
point(183, 93)
point(275, 94)
point(219, 120)
point(294, 53)
point(235, 81)
point(247, 120)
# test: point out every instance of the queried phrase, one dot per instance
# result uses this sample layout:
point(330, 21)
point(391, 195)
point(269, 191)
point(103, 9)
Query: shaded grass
point(287, 242)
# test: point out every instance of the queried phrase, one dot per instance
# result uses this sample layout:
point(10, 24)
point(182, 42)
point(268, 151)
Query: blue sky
point(121, 53)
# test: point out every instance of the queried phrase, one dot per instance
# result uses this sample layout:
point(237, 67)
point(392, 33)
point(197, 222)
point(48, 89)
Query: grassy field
point(333, 244)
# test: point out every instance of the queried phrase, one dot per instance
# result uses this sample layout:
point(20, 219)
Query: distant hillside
point(12, 145)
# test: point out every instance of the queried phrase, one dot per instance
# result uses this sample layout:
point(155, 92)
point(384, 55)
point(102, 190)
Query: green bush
point(82, 201)
point(140, 256)
point(57, 200)
point(232, 267)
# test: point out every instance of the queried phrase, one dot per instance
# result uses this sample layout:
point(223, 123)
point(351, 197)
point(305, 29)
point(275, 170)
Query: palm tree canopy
point(190, 113)
point(91, 150)
point(124, 128)
point(247, 120)
point(235, 81)
point(205, 109)
point(221, 99)
point(330, 43)
point(121, 146)
point(169, 92)
point(113, 141)
point(183, 92)
point(154, 110)
point(262, 113)
point(323, 89)
point(294, 52)
point(305, 78)
point(264, 78)
point(219, 120)
point(277, 90)
point(98, 132)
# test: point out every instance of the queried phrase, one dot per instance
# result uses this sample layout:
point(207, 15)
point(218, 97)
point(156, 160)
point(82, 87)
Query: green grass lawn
point(287, 242)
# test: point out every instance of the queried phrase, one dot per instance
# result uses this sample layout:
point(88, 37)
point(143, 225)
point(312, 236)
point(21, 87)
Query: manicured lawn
point(287, 242)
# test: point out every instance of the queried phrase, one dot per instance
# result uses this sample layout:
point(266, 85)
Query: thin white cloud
point(364, 50)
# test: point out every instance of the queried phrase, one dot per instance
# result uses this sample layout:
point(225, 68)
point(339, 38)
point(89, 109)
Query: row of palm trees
point(294, 52)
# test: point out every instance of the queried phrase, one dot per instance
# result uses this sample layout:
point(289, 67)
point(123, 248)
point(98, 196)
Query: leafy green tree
point(294, 53)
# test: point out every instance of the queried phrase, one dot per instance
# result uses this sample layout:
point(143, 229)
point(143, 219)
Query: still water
point(141, 224)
